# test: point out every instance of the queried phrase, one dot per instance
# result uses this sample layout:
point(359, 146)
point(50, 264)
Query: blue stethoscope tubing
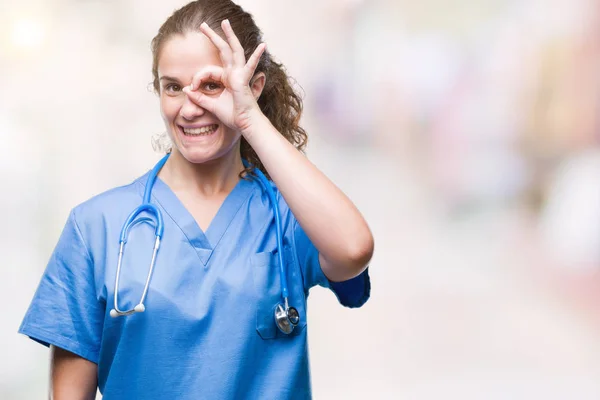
point(286, 317)
point(129, 223)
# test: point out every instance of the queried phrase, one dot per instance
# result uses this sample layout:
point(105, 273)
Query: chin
point(202, 155)
point(199, 156)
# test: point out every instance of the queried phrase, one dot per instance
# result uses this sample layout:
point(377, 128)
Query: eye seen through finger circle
point(211, 87)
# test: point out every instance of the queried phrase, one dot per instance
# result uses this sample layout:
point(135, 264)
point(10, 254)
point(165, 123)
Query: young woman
point(201, 292)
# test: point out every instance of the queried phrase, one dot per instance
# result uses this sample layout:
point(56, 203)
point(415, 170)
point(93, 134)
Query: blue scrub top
point(208, 331)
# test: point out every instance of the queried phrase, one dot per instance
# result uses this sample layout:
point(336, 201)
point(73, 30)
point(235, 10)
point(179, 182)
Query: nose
point(190, 110)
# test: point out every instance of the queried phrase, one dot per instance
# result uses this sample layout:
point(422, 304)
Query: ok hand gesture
point(234, 103)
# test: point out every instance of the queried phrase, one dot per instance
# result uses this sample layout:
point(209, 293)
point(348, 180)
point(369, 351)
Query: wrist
point(258, 124)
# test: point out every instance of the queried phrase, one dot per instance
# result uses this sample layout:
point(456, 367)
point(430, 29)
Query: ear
point(257, 84)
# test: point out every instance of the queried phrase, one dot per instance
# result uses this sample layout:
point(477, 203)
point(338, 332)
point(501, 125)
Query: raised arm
point(329, 218)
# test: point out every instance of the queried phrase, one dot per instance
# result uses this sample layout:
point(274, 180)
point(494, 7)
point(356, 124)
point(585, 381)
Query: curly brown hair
point(279, 101)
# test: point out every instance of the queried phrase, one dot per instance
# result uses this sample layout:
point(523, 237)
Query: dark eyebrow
point(168, 78)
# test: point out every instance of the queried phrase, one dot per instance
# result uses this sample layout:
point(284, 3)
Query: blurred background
point(466, 131)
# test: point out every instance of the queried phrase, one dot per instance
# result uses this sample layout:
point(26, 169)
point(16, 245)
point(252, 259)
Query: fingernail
point(226, 21)
point(204, 24)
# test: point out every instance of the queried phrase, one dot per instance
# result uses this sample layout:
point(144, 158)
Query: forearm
point(329, 218)
point(71, 377)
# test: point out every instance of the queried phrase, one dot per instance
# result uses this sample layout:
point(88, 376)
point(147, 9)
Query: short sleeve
point(352, 293)
point(64, 311)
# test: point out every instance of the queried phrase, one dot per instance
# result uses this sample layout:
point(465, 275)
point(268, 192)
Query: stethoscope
point(286, 317)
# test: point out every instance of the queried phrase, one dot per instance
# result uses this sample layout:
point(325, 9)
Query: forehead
point(182, 56)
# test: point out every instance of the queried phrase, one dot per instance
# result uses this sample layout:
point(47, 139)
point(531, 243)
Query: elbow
point(360, 254)
point(357, 255)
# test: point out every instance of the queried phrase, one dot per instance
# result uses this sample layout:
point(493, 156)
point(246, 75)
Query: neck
point(213, 178)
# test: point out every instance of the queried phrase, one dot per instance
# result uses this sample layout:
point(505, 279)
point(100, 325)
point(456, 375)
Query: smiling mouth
point(204, 131)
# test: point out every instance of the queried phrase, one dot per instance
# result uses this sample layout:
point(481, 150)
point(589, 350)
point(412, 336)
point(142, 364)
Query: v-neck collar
point(203, 242)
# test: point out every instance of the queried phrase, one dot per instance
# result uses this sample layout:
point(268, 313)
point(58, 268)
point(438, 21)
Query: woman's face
point(196, 133)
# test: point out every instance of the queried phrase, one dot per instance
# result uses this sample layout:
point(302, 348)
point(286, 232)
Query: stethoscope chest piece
point(286, 320)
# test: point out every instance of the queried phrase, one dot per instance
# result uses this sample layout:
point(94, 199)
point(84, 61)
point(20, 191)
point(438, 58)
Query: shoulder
point(114, 201)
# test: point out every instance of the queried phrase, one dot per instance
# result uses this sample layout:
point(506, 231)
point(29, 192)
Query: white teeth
point(205, 130)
